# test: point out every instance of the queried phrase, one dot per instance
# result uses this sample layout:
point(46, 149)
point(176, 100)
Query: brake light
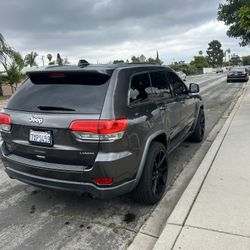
point(104, 181)
point(56, 75)
point(5, 122)
point(105, 130)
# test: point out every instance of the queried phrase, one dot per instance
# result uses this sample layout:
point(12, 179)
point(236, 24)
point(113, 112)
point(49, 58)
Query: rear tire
point(152, 184)
point(198, 134)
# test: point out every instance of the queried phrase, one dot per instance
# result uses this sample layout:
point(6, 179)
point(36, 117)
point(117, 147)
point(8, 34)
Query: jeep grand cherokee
point(101, 129)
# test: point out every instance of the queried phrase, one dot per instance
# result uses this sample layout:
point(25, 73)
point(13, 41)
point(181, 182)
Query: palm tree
point(6, 52)
point(49, 56)
point(30, 59)
point(13, 72)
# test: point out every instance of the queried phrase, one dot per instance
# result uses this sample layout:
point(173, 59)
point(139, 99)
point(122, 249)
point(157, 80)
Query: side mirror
point(194, 88)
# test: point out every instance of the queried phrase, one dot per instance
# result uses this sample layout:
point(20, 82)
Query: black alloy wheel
point(153, 182)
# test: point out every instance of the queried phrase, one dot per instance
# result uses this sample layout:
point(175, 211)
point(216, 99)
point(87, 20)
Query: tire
point(152, 184)
point(198, 134)
point(228, 80)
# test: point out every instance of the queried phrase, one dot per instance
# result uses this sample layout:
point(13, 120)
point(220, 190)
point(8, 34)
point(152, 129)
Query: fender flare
point(144, 156)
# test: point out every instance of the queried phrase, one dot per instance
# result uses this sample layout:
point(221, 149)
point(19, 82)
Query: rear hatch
point(43, 109)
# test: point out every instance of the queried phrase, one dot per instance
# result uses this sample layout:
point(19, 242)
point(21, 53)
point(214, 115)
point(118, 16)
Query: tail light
point(103, 130)
point(5, 123)
point(104, 181)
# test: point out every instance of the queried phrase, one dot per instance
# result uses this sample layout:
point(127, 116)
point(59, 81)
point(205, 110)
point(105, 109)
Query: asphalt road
point(32, 218)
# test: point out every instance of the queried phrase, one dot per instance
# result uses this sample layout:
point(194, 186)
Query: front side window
point(160, 84)
point(178, 87)
point(140, 88)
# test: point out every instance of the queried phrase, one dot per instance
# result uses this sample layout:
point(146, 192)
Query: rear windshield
point(59, 92)
point(238, 70)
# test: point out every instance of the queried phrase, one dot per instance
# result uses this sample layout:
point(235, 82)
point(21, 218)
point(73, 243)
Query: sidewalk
point(214, 211)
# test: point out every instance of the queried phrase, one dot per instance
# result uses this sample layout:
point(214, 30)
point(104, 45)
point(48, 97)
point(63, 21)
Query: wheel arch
point(159, 136)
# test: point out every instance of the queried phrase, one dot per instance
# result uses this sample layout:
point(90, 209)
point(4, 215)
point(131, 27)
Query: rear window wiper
point(54, 108)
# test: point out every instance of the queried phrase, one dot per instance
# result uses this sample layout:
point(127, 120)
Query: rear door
point(42, 111)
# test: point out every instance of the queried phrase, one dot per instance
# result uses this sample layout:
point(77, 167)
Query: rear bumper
point(102, 193)
point(72, 178)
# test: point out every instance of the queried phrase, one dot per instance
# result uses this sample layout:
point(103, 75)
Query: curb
point(182, 209)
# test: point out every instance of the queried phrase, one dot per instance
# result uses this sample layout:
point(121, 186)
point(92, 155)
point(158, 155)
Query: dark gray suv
point(101, 129)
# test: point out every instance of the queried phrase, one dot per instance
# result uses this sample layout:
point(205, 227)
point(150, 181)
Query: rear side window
point(59, 92)
point(160, 84)
point(178, 87)
point(140, 88)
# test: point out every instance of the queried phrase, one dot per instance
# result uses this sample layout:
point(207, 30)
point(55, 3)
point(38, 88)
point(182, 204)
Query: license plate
point(40, 137)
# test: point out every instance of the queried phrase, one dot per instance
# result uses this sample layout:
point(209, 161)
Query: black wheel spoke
point(159, 174)
point(154, 186)
point(162, 160)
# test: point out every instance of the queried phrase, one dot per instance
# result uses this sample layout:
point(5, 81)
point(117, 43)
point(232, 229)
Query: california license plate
point(40, 137)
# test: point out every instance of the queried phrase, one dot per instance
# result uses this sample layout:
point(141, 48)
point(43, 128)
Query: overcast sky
point(104, 30)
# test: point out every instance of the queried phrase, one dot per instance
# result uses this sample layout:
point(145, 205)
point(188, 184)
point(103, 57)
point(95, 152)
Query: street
point(33, 218)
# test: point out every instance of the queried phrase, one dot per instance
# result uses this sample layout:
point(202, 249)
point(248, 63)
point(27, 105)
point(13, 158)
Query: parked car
point(237, 74)
point(101, 129)
point(182, 75)
point(219, 70)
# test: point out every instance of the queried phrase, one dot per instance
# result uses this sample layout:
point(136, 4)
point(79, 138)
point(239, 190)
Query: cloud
point(103, 30)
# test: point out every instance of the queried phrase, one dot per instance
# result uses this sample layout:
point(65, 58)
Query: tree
point(135, 59)
point(6, 52)
point(49, 56)
point(12, 63)
point(13, 72)
point(118, 61)
point(236, 15)
point(143, 59)
point(66, 61)
point(200, 62)
point(235, 60)
point(246, 60)
point(30, 59)
point(215, 54)
point(151, 60)
point(244, 14)
point(59, 60)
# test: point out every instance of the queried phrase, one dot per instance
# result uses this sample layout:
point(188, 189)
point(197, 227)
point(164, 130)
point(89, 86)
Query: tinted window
point(160, 84)
point(75, 93)
point(140, 88)
point(178, 87)
point(242, 70)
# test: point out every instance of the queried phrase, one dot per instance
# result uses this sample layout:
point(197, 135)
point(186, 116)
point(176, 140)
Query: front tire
point(152, 184)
